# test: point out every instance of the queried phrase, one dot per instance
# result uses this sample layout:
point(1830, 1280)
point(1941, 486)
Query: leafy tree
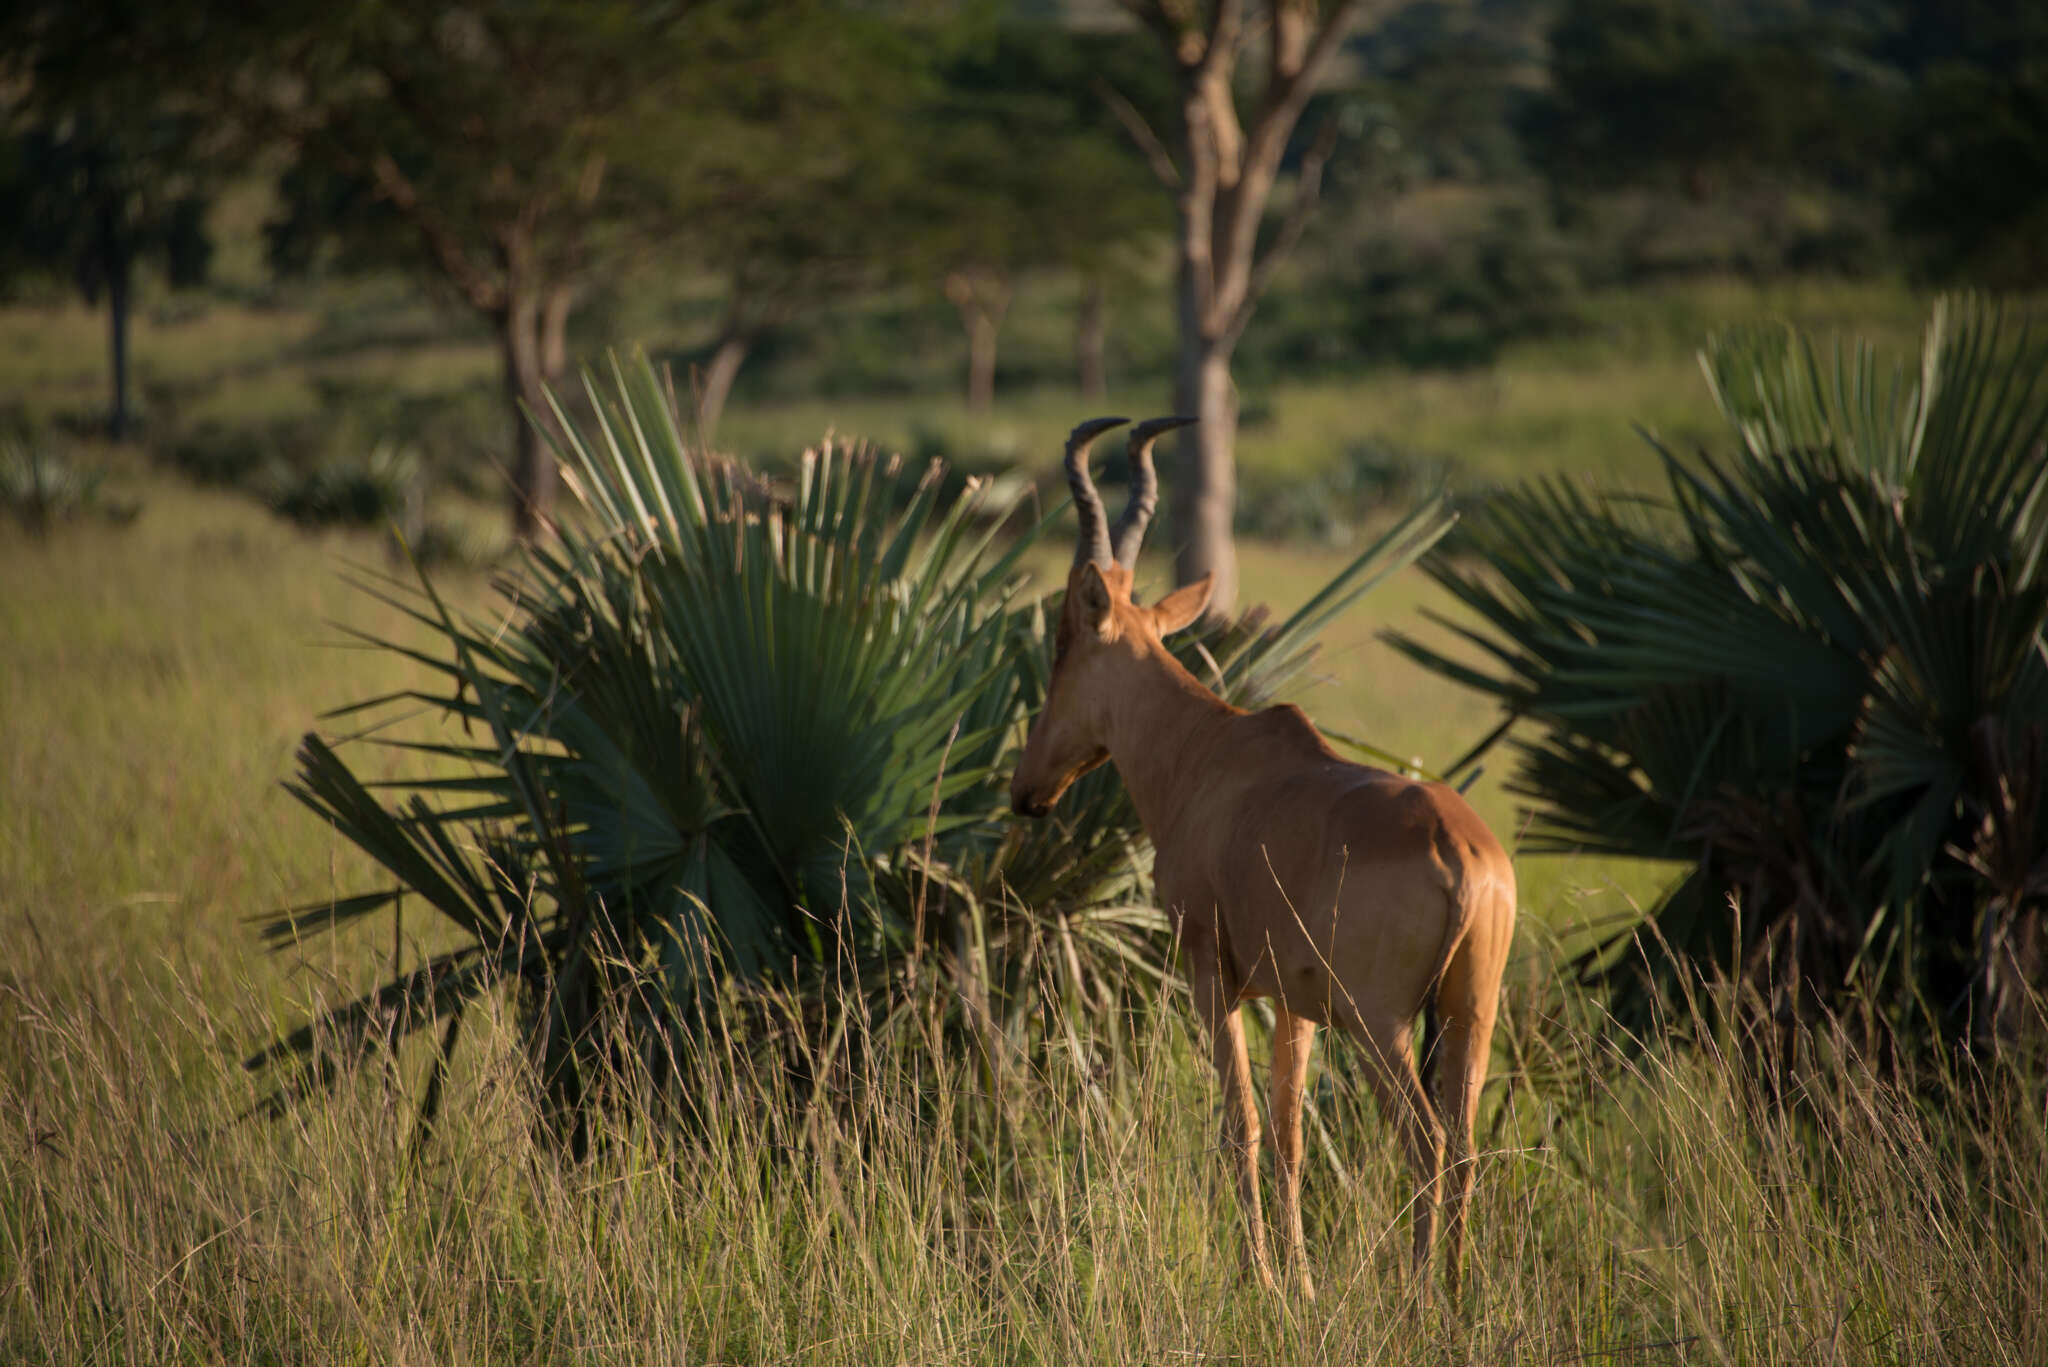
point(1638, 85)
point(504, 148)
point(1446, 80)
point(1024, 172)
point(1642, 90)
point(983, 160)
point(1229, 138)
point(785, 244)
point(1816, 672)
point(1974, 140)
point(800, 192)
point(93, 189)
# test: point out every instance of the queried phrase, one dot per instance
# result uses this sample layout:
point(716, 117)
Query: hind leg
point(1391, 1067)
point(1469, 1001)
point(1465, 1051)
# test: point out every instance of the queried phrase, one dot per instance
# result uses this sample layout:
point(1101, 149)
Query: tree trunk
point(714, 386)
point(1225, 176)
point(554, 334)
point(120, 272)
point(981, 363)
point(1205, 493)
point(533, 465)
point(1088, 340)
point(981, 297)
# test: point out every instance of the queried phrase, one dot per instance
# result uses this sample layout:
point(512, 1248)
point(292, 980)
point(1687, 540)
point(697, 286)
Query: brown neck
point(1162, 726)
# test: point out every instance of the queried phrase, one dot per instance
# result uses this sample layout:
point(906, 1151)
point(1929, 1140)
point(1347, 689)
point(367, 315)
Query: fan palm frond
point(1776, 672)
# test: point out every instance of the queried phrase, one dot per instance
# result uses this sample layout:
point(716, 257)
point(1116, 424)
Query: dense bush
point(366, 492)
point(1450, 297)
point(1973, 144)
point(1461, 301)
point(340, 462)
point(1816, 671)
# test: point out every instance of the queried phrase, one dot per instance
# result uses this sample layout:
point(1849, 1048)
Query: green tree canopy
point(1974, 138)
point(1020, 168)
point(95, 183)
point(505, 149)
point(1644, 90)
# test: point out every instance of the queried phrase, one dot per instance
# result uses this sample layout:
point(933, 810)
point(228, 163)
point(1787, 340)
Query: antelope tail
point(1460, 920)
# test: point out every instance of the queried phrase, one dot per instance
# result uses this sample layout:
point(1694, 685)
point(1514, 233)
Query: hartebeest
point(1350, 896)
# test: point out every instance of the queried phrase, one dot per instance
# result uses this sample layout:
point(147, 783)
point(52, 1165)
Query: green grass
point(153, 683)
point(1626, 1209)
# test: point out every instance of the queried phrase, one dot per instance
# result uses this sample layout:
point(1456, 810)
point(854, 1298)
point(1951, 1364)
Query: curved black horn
point(1093, 542)
point(1130, 528)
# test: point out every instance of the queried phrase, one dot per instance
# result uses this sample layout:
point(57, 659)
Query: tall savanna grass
point(921, 1208)
point(1635, 1205)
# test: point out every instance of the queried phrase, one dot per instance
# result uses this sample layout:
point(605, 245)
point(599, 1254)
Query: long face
point(1103, 637)
point(1067, 739)
point(1072, 732)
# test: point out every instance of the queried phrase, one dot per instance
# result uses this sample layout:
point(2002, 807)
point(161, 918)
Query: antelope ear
point(1181, 607)
point(1092, 592)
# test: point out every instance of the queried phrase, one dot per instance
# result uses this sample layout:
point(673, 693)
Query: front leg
point(1216, 999)
point(1293, 1040)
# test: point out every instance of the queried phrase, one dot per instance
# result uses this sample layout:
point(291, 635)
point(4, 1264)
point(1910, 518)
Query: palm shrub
point(736, 763)
point(1814, 671)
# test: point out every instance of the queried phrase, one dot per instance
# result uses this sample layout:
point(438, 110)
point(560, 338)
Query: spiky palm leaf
point(1777, 671)
point(726, 743)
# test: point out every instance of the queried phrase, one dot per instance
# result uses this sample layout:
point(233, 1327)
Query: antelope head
point(1103, 632)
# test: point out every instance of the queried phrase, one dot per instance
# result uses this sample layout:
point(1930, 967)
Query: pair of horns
point(1096, 542)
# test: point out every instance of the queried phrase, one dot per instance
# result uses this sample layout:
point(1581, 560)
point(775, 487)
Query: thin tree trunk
point(981, 363)
point(1205, 494)
point(554, 334)
point(533, 466)
point(982, 298)
point(1088, 339)
point(119, 283)
point(714, 386)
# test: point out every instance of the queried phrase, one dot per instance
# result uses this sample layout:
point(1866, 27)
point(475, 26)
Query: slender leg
point(1391, 1066)
point(1469, 1002)
point(1461, 1105)
point(1294, 1038)
point(1216, 999)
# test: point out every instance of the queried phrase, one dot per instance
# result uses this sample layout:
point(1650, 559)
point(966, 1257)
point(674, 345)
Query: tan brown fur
point(1347, 895)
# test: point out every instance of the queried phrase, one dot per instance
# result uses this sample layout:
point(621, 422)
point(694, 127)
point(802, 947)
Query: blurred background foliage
point(796, 202)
